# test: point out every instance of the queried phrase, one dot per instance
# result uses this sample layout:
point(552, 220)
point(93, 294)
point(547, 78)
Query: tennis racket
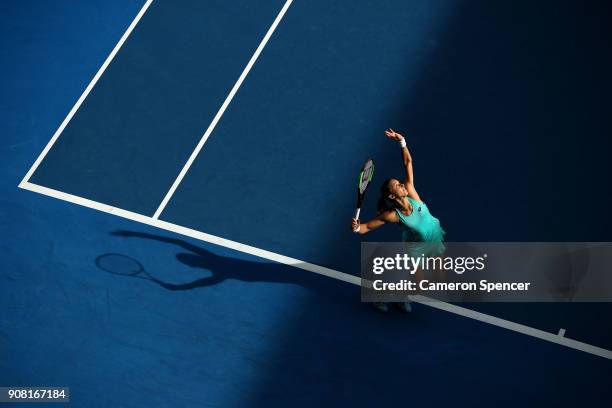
point(365, 177)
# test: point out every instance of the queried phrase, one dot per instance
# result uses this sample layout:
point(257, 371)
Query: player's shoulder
point(389, 216)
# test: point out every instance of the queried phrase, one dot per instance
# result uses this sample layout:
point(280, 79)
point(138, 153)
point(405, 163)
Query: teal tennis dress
point(422, 227)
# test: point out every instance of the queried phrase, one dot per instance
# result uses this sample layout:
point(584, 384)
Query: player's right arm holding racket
point(365, 177)
point(377, 222)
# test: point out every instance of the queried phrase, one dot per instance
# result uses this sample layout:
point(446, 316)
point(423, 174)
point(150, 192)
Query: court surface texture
point(195, 164)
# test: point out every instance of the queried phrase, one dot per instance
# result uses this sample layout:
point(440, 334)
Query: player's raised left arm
point(407, 161)
point(406, 157)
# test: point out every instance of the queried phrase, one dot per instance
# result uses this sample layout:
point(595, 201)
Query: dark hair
point(384, 204)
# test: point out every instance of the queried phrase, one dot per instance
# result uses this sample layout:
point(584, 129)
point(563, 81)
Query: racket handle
point(357, 211)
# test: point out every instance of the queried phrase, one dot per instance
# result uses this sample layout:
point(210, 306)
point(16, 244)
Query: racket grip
point(357, 212)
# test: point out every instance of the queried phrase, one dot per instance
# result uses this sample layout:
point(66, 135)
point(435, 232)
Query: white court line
point(221, 111)
point(144, 219)
point(93, 82)
point(155, 222)
point(355, 280)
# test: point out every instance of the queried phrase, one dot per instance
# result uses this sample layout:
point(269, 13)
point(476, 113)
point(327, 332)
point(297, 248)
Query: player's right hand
point(355, 225)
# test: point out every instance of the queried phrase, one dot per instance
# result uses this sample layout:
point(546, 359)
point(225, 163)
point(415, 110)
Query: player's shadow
point(223, 268)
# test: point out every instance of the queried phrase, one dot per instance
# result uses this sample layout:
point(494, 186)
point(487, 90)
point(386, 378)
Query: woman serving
point(399, 203)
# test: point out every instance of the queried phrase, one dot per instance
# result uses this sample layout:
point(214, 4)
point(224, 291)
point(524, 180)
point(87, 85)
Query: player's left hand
point(392, 134)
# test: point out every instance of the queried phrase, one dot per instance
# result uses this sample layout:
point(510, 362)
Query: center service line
point(221, 111)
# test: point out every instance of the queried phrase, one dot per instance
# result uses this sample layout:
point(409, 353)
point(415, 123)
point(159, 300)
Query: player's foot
point(381, 306)
point(405, 307)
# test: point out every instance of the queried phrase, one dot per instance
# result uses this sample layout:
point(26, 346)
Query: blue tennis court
point(214, 146)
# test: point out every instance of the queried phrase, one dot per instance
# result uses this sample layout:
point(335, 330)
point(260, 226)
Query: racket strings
point(366, 176)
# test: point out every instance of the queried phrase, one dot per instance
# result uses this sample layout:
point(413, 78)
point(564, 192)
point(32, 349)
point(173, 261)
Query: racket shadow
point(223, 268)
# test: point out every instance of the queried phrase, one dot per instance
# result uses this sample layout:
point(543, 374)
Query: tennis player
point(399, 203)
